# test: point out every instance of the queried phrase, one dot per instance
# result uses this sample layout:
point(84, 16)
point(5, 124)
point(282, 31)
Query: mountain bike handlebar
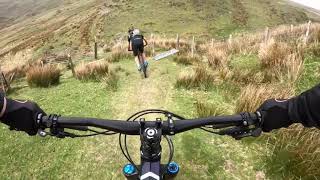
point(237, 126)
point(169, 127)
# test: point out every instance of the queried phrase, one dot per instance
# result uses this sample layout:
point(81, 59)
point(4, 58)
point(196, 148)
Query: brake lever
point(60, 133)
point(241, 132)
point(251, 133)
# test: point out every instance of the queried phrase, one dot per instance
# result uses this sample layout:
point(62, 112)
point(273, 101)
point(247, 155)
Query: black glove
point(21, 116)
point(275, 114)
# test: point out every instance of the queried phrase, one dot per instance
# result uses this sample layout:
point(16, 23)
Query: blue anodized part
point(129, 169)
point(173, 168)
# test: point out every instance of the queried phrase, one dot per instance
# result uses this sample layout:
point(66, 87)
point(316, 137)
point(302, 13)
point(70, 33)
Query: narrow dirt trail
point(136, 93)
point(228, 158)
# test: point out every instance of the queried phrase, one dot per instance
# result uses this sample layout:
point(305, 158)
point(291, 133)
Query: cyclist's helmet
point(136, 32)
point(130, 30)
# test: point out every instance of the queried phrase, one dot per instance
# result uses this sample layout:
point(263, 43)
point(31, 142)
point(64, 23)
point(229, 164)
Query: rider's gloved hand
point(20, 115)
point(276, 114)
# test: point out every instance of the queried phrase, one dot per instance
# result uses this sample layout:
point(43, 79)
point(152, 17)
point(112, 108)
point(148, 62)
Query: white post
point(266, 35)
point(212, 42)
point(230, 39)
point(192, 47)
point(152, 45)
point(307, 33)
point(291, 28)
point(178, 42)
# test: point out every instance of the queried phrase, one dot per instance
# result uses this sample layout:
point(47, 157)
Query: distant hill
point(13, 11)
point(58, 24)
point(207, 17)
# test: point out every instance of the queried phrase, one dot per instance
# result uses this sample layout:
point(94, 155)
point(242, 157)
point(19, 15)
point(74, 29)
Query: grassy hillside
point(212, 18)
point(12, 12)
point(73, 24)
point(223, 78)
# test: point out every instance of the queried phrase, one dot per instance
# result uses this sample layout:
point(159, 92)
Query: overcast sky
point(311, 3)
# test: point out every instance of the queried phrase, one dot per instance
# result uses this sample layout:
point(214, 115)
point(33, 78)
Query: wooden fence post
point(192, 47)
point(212, 42)
point(230, 40)
point(153, 44)
point(307, 33)
point(178, 42)
point(95, 48)
point(291, 28)
point(71, 65)
point(266, 35)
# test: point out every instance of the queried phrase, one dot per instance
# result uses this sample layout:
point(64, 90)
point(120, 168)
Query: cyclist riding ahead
point(136, 44)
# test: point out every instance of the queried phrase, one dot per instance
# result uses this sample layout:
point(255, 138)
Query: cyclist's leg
point(135, 50)
point(136, 59)
point(145, 59)
point(143, 56)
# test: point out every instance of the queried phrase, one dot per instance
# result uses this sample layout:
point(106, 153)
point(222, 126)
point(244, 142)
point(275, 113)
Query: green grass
point(100, 157)
point(245, 62)
point(201, 155)
point(204, 18)
point(310, 75)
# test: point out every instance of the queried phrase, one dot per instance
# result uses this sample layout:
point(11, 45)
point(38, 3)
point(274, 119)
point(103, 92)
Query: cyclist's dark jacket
point(305, 108)
point(1, 100)
point(136, 44)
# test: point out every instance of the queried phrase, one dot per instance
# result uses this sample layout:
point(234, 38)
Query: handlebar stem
point(150, 137)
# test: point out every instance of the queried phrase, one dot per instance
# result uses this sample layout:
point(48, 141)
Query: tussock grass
point(200, 77)
point(273, 54)
point(111, 81)
point(250, 43)
point(43, 76)
point(247, 76)
point(217, 57)
point(209, 109)
point(16, 64)
point(167, 43)
point(252, 96)
point(281, 62)
point(92, 71)
point(186, 60)
point(48, 58)
point(314, 49)
point(118, 52)
point(224, 73)
point(296, 151)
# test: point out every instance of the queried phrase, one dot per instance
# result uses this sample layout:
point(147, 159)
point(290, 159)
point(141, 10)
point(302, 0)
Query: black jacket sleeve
point(305, 108)
point(1, 101)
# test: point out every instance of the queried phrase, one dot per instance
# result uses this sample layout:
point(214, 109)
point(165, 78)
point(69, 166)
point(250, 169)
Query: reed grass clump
point(92, 71)
point(295, 150)
point(111, 80)
point(217, 57)
point(200, 77)
point(185, 60)
point(43, 76)
point(252, 96)
point(273, 54)
point(210, 109)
